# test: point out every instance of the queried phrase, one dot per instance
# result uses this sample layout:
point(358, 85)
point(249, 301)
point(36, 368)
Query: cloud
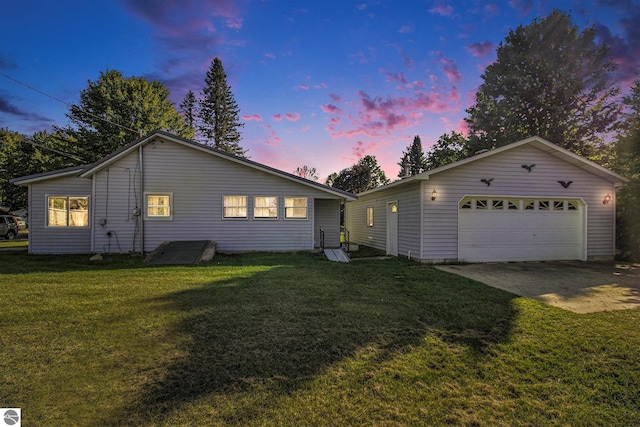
point(407, 28)
point(624, 50)
point(272, 139)
point(276, 117)
point(524, 7)
point(449, 68)
point(292, 117)
point(270, 55)
point(480, 49)
point(335, 97)
point(6, 64)
point(442, 10)
point(330, 109)
point(303, 86)
point(256, 117)
point(9, 108)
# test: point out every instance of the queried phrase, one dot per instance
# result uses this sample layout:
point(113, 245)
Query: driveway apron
point(581, 287)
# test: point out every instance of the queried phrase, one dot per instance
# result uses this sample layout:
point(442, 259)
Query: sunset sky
point(320, 83)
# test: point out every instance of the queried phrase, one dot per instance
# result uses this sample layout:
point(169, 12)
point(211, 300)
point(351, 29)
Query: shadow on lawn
point(276, 330)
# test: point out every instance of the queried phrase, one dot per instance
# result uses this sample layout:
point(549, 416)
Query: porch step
point(336, 255)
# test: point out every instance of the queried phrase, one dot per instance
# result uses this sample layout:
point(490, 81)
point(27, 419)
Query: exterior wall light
point(434, 194)
point(606, 199)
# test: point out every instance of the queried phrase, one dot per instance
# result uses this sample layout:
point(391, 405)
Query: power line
point(72, 106)
point(62, 153)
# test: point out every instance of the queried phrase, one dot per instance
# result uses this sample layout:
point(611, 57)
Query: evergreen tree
point(219, 112)
point(550, 80)
point(413, 161)
point(188, 108)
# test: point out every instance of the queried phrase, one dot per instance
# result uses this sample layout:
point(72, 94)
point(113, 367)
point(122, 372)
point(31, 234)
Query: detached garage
point(527, 201)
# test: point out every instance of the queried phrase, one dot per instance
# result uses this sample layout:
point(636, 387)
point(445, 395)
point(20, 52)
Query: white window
point(265, 207)
point(369, 217)
point(295, 207)
point(235, 206)
point(159, 205)
point(67, 211)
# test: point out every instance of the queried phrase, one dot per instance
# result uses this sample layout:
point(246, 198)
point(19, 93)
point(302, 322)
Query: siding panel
point(57, 240)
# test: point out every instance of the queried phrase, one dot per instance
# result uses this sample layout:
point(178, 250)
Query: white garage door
point(522, 229)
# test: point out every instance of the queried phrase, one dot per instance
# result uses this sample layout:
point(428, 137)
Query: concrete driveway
point(581, 287)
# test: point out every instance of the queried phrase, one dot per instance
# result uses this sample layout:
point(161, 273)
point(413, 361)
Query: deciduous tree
point(365, 175)
point(306, 172)
point(114, 110)
point(448, 149)
point(549, 79)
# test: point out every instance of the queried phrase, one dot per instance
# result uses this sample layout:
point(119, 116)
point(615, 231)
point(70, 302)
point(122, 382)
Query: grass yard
point(295, 340)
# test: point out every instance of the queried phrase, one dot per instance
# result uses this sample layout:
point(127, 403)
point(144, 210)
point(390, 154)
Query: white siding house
point(164, 188)
point(527, 201)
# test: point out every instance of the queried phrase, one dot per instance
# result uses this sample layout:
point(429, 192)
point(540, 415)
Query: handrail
point(346, 238)
point(321, 238)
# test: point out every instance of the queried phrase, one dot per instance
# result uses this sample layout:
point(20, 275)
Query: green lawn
point(295, 340)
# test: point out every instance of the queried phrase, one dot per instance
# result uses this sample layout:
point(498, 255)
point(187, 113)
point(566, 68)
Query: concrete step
point(336, 255)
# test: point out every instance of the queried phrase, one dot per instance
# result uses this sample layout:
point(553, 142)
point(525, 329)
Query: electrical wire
point(72, 106)
point(62, 153)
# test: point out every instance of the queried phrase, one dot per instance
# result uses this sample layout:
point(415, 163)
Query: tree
point(413, 161)
point(448, 149)
point(306, 172)
point(114, 110)
point(549, 80)
point(188, 108)
point(628, 165)
point(365, 175)
point(20, 156)
point(219, 112)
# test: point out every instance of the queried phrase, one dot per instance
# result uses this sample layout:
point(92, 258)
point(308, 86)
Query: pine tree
point(188, 108)
point(413, 161)
point(219, 112)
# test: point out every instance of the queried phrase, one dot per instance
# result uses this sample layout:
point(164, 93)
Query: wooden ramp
point(336, 255)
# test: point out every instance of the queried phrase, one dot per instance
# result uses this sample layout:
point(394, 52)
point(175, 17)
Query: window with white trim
point(159, 205)
point(265, 207)
point(370, 217)
point(235, 206)
point(295, 207)
point(67, 211)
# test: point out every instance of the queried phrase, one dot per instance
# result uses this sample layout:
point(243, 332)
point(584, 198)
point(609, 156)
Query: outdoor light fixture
point(434, 194)
point(606, 199)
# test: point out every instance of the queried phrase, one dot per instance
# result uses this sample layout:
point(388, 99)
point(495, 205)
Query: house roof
point(535, 141)
point(59, 173)
point(87, 171)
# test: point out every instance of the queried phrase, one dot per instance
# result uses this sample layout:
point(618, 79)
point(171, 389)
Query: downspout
point(422, 210)
point(93, 214)
point(142, 202)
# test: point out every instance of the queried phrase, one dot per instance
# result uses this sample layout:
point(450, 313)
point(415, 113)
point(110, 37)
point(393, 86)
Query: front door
point(392, 228)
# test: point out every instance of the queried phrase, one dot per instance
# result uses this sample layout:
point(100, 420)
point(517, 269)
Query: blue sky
point(320, 82)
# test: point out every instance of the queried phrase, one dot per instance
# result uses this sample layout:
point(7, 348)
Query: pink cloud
point(330, 109)
point(449, 68)
point(522, 6)
point(491, 9)
point(335, 97)
point(442, 10)
point(408, 28)
point(322, 85)
point(303, 86)
point(256, 117)
point(272, 139)
point(270, 55)
point(276, 117)
point(292, 117)
point(480, 49)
